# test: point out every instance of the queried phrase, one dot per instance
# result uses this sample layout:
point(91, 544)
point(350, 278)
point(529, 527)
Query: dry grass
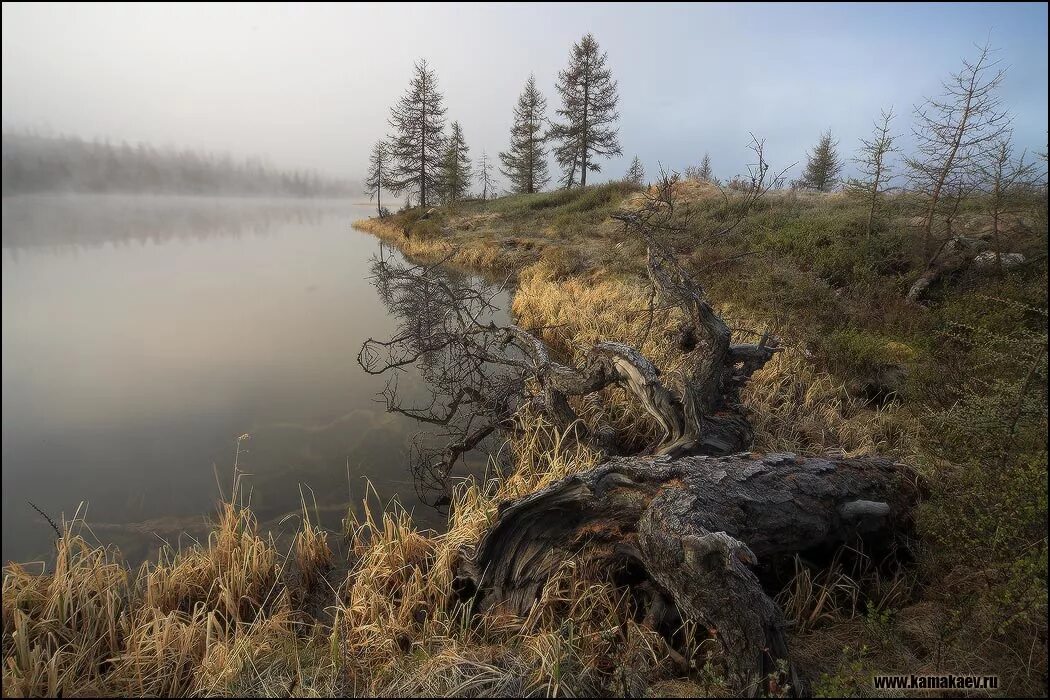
point(793, 407)
point(374, 613)
point(477, 254)
point(230, 616)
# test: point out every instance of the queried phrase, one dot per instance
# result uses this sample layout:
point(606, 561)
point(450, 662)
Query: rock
point(987, 260)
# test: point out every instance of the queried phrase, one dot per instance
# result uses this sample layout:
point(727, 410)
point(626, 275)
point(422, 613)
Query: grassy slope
point(968, 371)
point(373, 617)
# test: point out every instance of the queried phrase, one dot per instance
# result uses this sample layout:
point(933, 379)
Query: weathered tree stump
point(691, 529)
point(689, 518)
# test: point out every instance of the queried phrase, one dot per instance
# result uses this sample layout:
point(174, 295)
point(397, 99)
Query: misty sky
point(310, 86)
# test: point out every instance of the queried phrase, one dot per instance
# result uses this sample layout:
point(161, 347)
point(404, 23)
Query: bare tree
point(874, 165)
point(1004, 179)
point(492, 372)
point(689, 514)
point(444, 332)
point(954, 132)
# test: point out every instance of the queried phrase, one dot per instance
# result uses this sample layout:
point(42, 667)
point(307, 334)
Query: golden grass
point(792, 406)
point(391, 231)
point(238, 615)
point(229, 616)
point(481, 254)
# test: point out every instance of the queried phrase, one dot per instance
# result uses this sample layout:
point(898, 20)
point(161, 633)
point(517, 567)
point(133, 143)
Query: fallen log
point(691, 530)
point(955, 256)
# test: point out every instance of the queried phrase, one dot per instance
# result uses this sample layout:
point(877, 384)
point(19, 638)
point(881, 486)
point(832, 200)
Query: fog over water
point(142, 336)
point(311, 85)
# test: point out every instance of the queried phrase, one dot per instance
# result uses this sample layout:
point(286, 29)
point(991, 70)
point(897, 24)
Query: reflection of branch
point(47, 518)
point(482, 375)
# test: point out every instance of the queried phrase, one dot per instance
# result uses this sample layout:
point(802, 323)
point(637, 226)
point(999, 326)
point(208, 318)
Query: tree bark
point(956, 255)
point(695, 527)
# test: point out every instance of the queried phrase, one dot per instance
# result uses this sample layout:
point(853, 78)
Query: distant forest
point(34, 163)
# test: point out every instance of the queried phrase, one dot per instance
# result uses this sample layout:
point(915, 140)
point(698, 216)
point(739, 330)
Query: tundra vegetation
point(752, 440)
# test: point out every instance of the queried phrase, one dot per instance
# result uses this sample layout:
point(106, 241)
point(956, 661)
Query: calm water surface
point(142, 336)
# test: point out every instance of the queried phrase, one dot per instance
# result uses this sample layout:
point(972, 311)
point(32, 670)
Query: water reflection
point(72, 222)
point(141, 336)
point(446, 331)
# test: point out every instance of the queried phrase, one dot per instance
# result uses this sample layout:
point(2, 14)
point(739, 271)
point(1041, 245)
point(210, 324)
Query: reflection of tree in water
point(485, 376)
point(444, 330)
point(57, 221)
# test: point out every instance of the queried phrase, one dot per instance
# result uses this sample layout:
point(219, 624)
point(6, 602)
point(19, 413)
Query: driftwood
point(690, 516)
point(956, 255)
point(690, 530)
point(483, 375)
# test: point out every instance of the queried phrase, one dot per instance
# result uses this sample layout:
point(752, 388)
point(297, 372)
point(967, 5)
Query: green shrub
point(855, 352)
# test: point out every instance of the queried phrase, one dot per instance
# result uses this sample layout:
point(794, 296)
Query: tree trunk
point(956, 255)
point(690, 530)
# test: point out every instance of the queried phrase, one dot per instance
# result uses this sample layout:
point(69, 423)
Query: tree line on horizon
point(963, 138)
point(34, 163)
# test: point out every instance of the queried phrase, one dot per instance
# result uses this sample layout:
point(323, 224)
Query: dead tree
point(958, 254)
point(691, 514)
point(685, 534)
point(483, 375)
point(445, 335)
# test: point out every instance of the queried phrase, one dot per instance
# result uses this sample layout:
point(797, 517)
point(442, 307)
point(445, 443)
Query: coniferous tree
point(569, 162)
point(706, 173)
point(702, 172)
point(525, 163)
point(417, 145)
point(455, 175)
point(483, 173)
point(953, 133)
point(823, 164)
point(635, 173)
point(874, 165)
point(1006, 182)
point(378, 174)
point(588, 127)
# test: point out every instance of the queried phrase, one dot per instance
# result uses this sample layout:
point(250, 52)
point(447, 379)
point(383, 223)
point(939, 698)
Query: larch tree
point(589, 98)
point(636, 173)
point(823, 164)
point(954, 132)
point(378, 174)
point(484, 176)
point(873, 163)
point(456, 172)
point(525, 163)
point(706, 173)
point(702, 172)
point(1004, 179)
point(417, 146)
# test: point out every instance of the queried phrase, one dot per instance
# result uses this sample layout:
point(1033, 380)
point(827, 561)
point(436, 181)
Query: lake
point(143, 335)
